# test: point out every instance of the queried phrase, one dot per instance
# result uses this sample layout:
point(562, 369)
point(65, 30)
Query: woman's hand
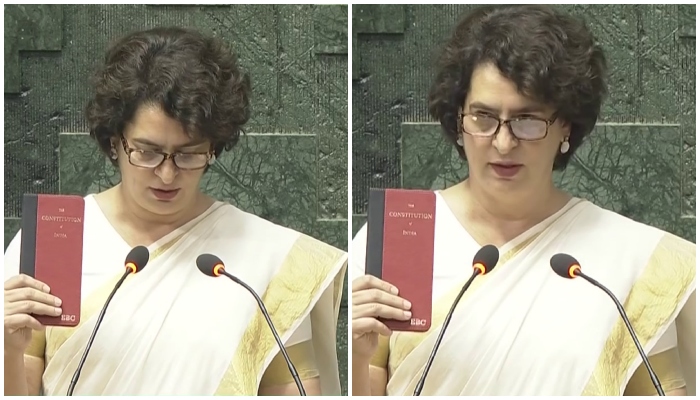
point(373, 298)
point(24, 297)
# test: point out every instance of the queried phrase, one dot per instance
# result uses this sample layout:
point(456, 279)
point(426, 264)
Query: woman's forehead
point(490, 90)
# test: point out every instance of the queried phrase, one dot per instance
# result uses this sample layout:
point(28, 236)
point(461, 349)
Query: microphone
point(212, 265)
point(484, 261)
point(135, 261)
point(566, 266)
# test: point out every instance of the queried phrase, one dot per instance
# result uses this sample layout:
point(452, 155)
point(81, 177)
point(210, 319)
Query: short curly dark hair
point(551, 57)
point(195, 79)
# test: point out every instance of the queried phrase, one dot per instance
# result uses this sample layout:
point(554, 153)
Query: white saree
point(523, 330)
point(170, 330)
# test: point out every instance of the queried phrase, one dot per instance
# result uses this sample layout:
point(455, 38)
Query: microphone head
point(210, 264)
point(137, 259)
point(486, 259)
point(565, 265)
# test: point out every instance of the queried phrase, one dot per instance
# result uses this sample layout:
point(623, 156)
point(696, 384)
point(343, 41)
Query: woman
point(167, 103)
point(519, 87)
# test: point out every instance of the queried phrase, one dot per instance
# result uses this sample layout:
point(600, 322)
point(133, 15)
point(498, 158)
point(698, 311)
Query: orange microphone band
point(217, 269)
point(131, 266)
point(573, 270)
point(480, 268)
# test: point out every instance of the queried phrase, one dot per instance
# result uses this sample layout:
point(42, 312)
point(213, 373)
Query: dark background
point(291, 168)
point(639, 161)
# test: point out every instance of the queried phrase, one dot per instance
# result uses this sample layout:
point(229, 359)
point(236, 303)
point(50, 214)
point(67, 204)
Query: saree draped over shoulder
point(171, 330)
point(523, 330)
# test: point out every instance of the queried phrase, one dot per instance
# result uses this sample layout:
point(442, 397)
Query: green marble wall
point(640, 160)
point(291, 167)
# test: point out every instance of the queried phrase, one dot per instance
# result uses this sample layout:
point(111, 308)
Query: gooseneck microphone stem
point(292, 369)
point(441, 334)
point(623, 314)
point(81, 363)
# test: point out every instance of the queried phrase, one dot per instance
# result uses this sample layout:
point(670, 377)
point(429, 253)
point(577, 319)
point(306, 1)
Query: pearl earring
point(564, 146)
point(460, 141)
point(113, 153)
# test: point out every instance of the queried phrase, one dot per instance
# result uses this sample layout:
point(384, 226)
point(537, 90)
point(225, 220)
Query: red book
point(52, 250)
point(400, 249)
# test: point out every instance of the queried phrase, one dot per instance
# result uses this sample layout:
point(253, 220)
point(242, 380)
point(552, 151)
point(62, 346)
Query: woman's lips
point(162, 194)
point(506, 170)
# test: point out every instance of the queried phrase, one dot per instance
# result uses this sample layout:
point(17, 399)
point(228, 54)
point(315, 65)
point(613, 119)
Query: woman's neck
point(514, 208)
point(499, 219)
point(137, 221)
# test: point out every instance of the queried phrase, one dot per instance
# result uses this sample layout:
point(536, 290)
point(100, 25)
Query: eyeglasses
point(153, 159)
point(523, 128)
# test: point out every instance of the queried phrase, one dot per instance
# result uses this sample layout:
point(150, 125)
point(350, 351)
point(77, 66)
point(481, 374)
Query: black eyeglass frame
point(548, 122)
point(129, 150)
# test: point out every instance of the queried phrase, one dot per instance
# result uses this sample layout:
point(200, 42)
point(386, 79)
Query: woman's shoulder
point(606, 222)
point(676, 247)
point(257, 228)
